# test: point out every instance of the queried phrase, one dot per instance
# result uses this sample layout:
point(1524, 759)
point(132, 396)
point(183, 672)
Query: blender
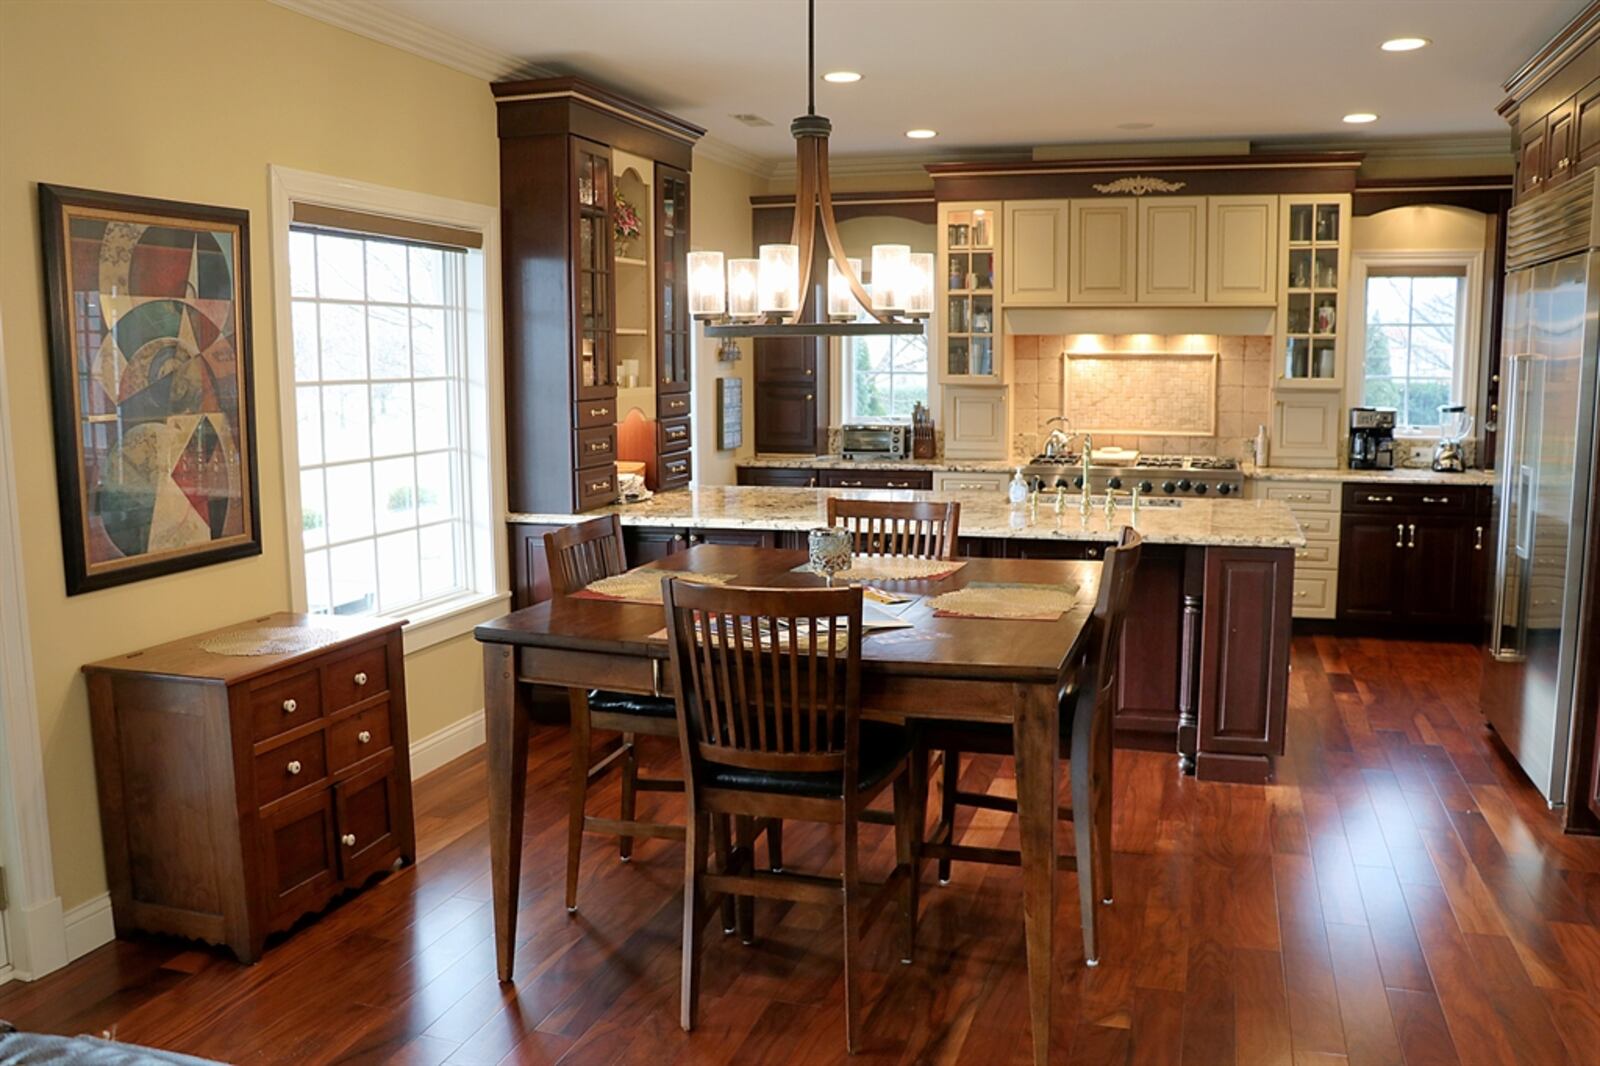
point(1450, 455)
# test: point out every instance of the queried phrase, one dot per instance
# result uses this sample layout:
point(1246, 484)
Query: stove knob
point(1168, 487)
point(1185, 485)
point(1061, 483)
point(1199, 488)
point(1077, 482)
point(1145, 486)
point(1114, 483)
point(1224, 488)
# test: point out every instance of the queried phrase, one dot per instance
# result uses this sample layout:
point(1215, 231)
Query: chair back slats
point(766, 679)
point(920, 530)
point(582, 554)
point(1110, 612)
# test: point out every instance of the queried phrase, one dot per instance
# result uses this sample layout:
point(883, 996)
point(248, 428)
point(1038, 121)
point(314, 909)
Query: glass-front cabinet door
point(1312, 318)
point(672, 253)
point(596, 293)
point(967, 306)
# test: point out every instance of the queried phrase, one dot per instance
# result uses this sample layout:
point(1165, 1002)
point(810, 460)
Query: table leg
point(507, 743)
point(1037, 737)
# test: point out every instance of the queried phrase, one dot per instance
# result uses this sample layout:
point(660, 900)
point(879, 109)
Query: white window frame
point(844, 400)
point(486, 508)
point(1469, 342)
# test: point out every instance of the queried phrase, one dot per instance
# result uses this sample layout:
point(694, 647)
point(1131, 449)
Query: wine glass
point(830, 551)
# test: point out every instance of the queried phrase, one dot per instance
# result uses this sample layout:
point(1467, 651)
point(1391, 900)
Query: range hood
point(1224, 321)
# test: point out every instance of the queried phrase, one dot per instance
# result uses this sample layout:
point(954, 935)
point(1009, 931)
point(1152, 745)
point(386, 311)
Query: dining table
point(960, 668)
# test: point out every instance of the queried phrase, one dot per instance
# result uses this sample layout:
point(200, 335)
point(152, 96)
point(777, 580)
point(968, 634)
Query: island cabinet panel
point(779, 476)
point(1244, 661)
point(1149, 673)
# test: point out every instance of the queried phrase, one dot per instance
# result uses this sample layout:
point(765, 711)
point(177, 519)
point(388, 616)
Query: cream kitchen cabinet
point(1102, 238)
point(1313, 309)
point(1242, 250)
point(1035, 241)
point(1306, 428)
point(975, 422)
point(1171, 258)
point(967, 339)
point(1315, 505)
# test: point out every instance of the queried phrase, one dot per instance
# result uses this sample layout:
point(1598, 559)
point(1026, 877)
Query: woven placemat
point(268, 640)
point(642, 585)
point(1024, 603)
point(891, 568)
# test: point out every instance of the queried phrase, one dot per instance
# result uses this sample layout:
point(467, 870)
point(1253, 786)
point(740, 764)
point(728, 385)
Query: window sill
point(446, 621)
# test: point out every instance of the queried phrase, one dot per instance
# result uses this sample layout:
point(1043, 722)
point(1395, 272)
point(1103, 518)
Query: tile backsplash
point(1243, 376)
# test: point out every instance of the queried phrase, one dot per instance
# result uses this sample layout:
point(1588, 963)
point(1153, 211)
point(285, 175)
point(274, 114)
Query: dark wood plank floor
point(1399, 896)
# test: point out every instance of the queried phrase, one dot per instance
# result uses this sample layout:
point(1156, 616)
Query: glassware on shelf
point(1327, 268)
point(1300, 219)
point(958, 234)
point(1327, 222)
point(1297, 357)
point(958, 314)
point(958, 272)
point(1299, 314)
point(982, 314)
point(1322, 364)
point(1327, 317)
point(957, 357)
point(981, 223)
point(982, 273)
point(1300, 268)
point(982, 356)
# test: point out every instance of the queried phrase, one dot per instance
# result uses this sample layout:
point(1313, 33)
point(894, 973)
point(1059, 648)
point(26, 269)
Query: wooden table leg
point(1037, 738)
point(507, 743)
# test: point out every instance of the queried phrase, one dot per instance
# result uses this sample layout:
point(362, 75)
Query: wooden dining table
point(961, 669)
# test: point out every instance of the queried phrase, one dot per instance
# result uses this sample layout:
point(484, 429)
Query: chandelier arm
point(805, 213)
point(830, 230)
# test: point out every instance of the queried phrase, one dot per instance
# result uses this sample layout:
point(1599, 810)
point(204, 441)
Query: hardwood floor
point(1399, 895)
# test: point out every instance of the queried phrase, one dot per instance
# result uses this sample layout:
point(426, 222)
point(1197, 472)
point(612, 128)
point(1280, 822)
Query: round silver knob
point(364, 737)
point(348, 840)
point(293, 767)
point(290, 706)
point(361, 678)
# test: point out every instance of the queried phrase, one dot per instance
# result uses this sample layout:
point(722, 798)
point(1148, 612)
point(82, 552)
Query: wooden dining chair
point(920, 530)
point(1087, 706)
point(579, 555)
point(768, 690)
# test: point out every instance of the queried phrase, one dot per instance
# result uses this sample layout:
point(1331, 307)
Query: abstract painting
point(149, 305)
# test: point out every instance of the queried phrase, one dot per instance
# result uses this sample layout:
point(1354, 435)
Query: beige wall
point(192, 101)
point(1422, 228)
point(719, 220)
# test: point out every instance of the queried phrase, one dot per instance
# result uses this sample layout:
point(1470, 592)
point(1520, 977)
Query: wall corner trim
point(88, 926)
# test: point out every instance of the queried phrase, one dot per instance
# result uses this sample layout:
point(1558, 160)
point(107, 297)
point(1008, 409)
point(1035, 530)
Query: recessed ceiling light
point(845, 77)
point(1134, 125)
point(1360, 118)
point(1405, 44)
point(921, 135)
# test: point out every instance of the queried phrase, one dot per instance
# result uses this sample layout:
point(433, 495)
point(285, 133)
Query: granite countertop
point(1234, 523)
point(1423, 476)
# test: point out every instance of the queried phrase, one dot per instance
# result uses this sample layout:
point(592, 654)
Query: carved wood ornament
point(1139, 185)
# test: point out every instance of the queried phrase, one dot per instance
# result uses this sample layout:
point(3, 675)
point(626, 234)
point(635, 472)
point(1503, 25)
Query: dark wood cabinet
point(876, 479)
point(558, 139)
point(1414, 555)
point(240, 792)
point(791, 410)
point(786, 414)
point(1370, 555)
point(1586, 127)
point(1559, 128)
point(1531, 145)
point(1244, 661)
point(1553, 105)
point(790, 477)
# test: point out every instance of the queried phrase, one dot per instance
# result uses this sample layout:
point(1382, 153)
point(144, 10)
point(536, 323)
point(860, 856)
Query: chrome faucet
point(1086, 446)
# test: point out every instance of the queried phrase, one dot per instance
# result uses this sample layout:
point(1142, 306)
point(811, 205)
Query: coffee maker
point(1372, 438)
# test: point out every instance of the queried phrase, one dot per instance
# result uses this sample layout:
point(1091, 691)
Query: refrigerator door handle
point(1512, 506)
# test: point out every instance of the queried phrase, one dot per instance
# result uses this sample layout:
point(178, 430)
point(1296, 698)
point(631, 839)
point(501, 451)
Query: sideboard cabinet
point(240, 792)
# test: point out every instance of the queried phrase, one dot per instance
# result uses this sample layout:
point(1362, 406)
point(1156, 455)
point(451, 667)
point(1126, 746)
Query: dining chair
point(768, 691)
point(579, 555)
point(1087, 705)
point(920, 530)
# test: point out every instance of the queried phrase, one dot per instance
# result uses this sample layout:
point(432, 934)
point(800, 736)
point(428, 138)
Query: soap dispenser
point(1018, 490)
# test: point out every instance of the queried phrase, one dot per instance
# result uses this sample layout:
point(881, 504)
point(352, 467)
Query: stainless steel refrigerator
point(1543, 494)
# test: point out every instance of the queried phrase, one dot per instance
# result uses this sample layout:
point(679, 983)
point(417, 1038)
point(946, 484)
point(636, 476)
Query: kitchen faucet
point(1086, 447)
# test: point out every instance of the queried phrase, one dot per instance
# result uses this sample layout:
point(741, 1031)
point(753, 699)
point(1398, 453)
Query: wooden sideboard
point(239, 793)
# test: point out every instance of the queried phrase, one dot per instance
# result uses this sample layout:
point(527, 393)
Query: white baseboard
point(88, 926)
point(453, 741)
point(36, 939)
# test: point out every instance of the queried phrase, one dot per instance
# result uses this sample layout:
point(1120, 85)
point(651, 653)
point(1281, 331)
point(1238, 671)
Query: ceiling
point(995, 74)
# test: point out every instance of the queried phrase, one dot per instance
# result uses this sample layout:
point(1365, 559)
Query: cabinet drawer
point(1317, 555)
point(957, 482)
point(778, 475)
point(1413, 499)
point(1303, 496)
point(596, 487)
point(596, 446)
point(877, 479)
point(290, 767)
point(352, 678)
point(674, 471)
point(1314, 593)
point(1318, 524)
point(358, 737)
point(368, 810)
point(601, 412)
point(675, 405)
point(281, 704)
point(674, 435)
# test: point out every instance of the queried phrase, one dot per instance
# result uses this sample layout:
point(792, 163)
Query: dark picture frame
point(152, 386)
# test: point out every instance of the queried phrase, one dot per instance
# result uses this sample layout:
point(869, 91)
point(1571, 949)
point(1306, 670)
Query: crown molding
point(720, 151)
point(381, 23)
point(1466, 147)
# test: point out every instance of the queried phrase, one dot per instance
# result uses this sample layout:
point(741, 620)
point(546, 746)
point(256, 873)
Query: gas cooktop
point(1156, 475)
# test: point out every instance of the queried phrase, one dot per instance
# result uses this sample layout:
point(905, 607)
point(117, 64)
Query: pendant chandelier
point(765, 296)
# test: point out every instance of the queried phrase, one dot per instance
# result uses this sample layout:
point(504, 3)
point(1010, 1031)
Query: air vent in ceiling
point(751, 120)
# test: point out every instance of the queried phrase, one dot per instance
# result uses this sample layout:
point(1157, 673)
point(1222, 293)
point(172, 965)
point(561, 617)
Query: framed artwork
point(149, 310)
point(730, 412)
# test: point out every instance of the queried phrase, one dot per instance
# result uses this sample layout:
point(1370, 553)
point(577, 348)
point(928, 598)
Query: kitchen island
point(1205, 660)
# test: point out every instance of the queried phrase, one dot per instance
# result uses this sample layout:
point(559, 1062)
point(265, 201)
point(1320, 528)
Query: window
point(1418, 321)
point(888, 375)
point(390, 402)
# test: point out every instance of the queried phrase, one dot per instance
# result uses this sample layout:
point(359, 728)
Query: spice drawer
point(197, 848)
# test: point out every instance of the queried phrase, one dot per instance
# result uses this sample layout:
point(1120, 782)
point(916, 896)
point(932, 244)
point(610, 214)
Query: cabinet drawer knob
point(293, 767)
point(1479, 545)
point(1300, 594)
point(1380, 499)
point(1411, 534)
point(598, 412)
point(348, 840)
point(290, 706)
point(1436, 499)
point(599, 446)
point(1399, 534)
point(360, 678)
point(899, 484)
point(364, 737)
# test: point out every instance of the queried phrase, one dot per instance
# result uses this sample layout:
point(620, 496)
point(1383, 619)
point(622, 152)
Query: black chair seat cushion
point(627, 703)
point(883, 747)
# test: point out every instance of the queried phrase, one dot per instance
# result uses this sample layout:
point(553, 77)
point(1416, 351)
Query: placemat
point(642, 585)
point(267, 640)
point(891, 568)
point(1026, 603)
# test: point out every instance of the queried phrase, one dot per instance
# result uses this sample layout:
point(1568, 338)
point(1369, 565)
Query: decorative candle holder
point(830, 551)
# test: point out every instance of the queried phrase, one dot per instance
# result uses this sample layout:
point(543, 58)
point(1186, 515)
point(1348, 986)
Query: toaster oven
point(875, 440)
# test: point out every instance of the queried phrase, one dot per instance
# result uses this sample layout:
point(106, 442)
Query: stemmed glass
point(830, 551)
